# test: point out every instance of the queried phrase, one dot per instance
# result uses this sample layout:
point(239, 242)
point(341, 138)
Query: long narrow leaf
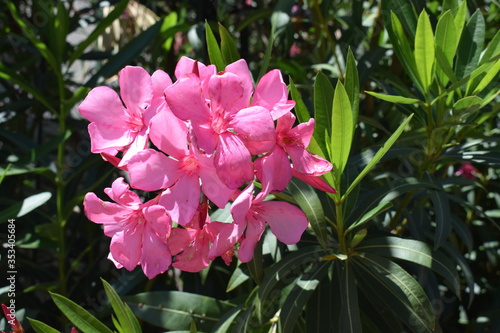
point(214, 52)
point(341, 130)
point(471, 45)
point(370, 215)
point(351, 85)
point(380, 153)
point(124, 315)
point(310, 204)
point(446, 41)
point(416, 252)
point(323, 104)
point(228, 47)
point(40, 327)
point(299, 295)
point(443, 214)
point(394, 98)
point(24, 207)
point(82, 319)
point(301, 110)
point(350, 321)
point(424, 50)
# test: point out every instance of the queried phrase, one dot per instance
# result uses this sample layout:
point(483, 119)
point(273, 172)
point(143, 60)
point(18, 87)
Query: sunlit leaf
point(310, 204)
point(424, 50)
point(471, 45)
point(228, 47)
point(323, 103)
point(124, 315)
point(341, 130)
point(394, 98)
point(214, 52)
point(80, 317)
point(40, 327)
point(446, 41)
point(24, 207)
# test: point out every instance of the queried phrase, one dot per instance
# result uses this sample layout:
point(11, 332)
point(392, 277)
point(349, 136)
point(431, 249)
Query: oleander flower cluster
point(196, 144)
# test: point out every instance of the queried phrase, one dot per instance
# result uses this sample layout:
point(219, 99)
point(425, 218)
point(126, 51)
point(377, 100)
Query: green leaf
point(228, 47)
point(442, 213)
point(351, 84)
point(341, 131)
point(465, 106)
point(490, 76)
point(226, 320)
point(394, 98)
point(237, 278)
point(214, 52)
point(301, 110)
point(370, 215)
point(255, 266)
point(99, 29)
point(492, 50)
point(193, 328)
point(416, 252)
point(424, 51)
point(397, 290)
point(174, 310)
point(299, 295)
point(288, 265)
point(380, 153)
point(326, 296)
point(80, 317)
point(126, 319)
point(405, 11)
point(40, 327)
point(61, 28)
point(460, 18)
point(310, 204)
point(24, 207)
point(125, 55)
point(447, 42)
point(403, 49)
point(349, 315)
point(168, 29)
point(471, 45)
point(323, 104)
point(10, 75)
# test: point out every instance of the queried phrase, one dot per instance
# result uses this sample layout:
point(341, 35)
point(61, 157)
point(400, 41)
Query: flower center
point(189, 164)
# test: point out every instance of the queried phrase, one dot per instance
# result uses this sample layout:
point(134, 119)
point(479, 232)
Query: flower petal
point(120, 193)
point(272, 94)
point(227, 94)
point(314, 181)
point(229, 235)
point(108, 139)
point(159, 220)
point(240, 68)
point(215, 190)
point(255, 127)
point(103, 106)
point(306, 162)
point(253, 232)
point(99, 211)
point(242, 204)
point(182, 199)
point(136, 89)
point(151, 170)
point(126, 247)
point(287, 221)
point(172, 141)
point(180, 239)
point(155, 255)
point(233, 161)
point(274, 170)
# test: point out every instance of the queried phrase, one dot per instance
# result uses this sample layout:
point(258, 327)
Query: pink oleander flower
point(138, 231)
point(467, 170)
point(250, 214)
point(223, 120)
point(275, 168)
point(123, 124)
point(180, 172)
point(10, 317)
point(191, 245)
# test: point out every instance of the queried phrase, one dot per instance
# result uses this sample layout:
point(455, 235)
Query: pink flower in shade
point(223, 121)
point(123, 124)
point(275, 168)
point(138, 231)
point(467, 170)
point(191, 245)
point(287, 223)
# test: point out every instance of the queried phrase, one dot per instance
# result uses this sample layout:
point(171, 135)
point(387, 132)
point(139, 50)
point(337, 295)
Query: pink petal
point(255, 127)
point(172, 141)
point(160, 81)
point(306, 162)
point(240, 68)
point(229, 235)
point(287, 221)
point(314, 181)
point(182, 199)
point(271, 93)
point(180, 239)
point(159, 220)
point(136, 89)
point(242, 204)
point(99, 211)
point(109, 139)
point(186, 65)
point(120, 193)
point(303, 131)
point(213, 187)
point(227, 94)
point(151, 170)
point(126, 247)
point(195, 257)
point(233, 161)
point(274, 170)
point(139, 144)
point(253, 232)
point(103, 106)
point(185, 99)
point(155, 255)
